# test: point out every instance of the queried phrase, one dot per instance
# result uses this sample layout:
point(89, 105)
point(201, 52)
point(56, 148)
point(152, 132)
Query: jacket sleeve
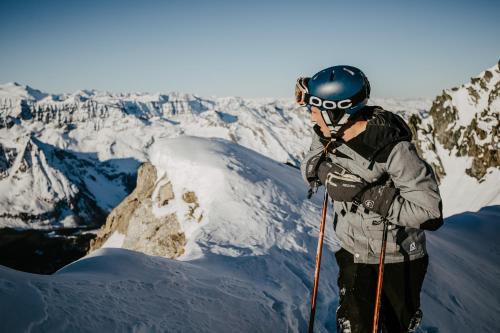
point(418, 204)
point(315, 149)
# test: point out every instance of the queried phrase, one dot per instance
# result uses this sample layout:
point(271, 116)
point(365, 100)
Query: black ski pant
point(400, 310)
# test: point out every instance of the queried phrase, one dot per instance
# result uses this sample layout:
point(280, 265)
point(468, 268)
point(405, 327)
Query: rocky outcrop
point(465, 121)
point(134, 219)
point(7, 157)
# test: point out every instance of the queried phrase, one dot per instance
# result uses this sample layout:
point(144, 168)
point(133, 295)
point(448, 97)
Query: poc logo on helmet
point(329, 105)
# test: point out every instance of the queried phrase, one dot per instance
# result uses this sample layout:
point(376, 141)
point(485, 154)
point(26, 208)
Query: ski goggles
point(303, 98)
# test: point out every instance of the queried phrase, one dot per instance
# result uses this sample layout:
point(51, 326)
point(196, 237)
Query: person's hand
point(312, 167)
point(378, 198)
point(341, 184)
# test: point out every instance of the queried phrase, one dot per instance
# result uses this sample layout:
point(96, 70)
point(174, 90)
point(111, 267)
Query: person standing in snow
point(372, 172)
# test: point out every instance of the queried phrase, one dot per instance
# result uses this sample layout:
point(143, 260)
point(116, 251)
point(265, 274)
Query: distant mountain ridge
point(110, 132)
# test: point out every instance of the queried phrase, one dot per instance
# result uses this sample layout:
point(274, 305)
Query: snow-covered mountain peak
point(14, 90)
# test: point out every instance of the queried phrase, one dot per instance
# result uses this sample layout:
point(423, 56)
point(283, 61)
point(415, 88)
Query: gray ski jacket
point(384, 149)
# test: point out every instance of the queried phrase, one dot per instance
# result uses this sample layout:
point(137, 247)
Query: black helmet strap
point(334, 123)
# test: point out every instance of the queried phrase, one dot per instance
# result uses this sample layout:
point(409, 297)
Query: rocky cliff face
point(464, 120)
point(135, 222)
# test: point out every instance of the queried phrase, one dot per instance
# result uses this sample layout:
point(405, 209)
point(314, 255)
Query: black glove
point(312, 167)
point(378, 198)
point(341, 184)
point(313, 188)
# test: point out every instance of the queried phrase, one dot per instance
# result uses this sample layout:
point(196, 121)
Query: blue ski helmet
point(338, 91)
point(340, 83)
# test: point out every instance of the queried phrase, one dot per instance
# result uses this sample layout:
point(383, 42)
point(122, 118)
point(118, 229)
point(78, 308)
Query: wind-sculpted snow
point(249, 262)
point(461, 292)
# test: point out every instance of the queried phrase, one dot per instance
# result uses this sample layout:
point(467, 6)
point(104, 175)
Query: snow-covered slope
point(248, 264)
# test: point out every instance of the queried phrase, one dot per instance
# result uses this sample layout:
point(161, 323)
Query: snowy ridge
point(238, 193)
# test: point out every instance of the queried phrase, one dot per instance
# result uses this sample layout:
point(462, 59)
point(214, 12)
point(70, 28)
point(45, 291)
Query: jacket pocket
point(375, 234)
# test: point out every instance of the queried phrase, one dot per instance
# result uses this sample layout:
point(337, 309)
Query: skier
point(373, 174)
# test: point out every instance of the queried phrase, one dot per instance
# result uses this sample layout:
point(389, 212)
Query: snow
point(114, 241)
point(236, 188)
point(17, 91)
point(461, 192)
point(466, 108)
point(461, 291)
point(250, 263)
point(419, 106)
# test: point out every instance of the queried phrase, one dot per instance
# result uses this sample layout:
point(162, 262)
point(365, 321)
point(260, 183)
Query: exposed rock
point(152, 235)
point(118, 219)
point(424, 142)
point(134, 218)
point(165, 194)
point(7, 157)
point(190, 197)
point(192, 200)
point(465, 121)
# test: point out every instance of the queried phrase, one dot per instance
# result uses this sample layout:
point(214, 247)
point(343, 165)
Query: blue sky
point(245, 48)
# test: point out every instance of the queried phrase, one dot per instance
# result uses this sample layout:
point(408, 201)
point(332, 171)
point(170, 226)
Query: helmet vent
point(332, 75)
point(349, 71)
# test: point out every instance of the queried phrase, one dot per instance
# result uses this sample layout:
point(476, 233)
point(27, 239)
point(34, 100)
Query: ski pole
point(318, 262)
point(380, 278)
